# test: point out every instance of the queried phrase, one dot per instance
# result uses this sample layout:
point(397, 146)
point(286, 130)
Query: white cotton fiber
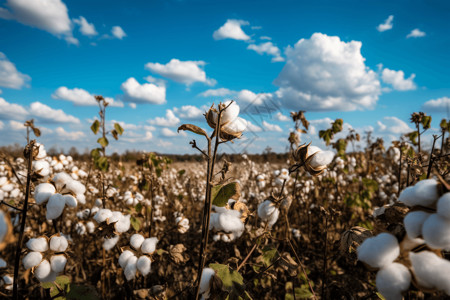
point(431, 271)
point(41, 167)
point(75, 187)
point(108, 244)
point(268, 212)
point(214, 222)
point(55, 206)
point(80, 228)
point(236, 126)
point(207, 275)
point(392, 280)
point(32, 259)
point(58, 263)
point(50, 278)
point(123, 258)
point(436, 232)
point(423, 193)
point(43, 270)
point(443, 206)
point(143, 265)
point(130, 268)
point(413, 223)
point(149, 245)
point(43, 192)
point(115, 217)
point(58, 243)
point(231, 222)
point(136, 241)
point(102, 215)
point(322, 158)
point(379, 251)
point(38, 244)
point(61, 179)
point(70, 200)
point(81, 198)
point(90, 226)
point(123, 224)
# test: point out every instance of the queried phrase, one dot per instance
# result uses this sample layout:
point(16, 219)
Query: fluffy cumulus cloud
point(280, 117)
point(217, 92)
point(416, 33)
point(118, 32)
point(324, 73)
point(10, 77)
point(267, 48)
point(393, 125)
point(248, 97)
point(387, 25)
point(81, 97)
point(271, 127)
point(143, 93)
point(49, 15)
point(397, 80)
point(166, 132)
point(231, 30)
point(186, 72)
point(62, 134)
point(170, 120)
point(10, 111)
point(190, 112)
point(86, 28)
point(46, 114)
point(16, 126)
point(436, 105)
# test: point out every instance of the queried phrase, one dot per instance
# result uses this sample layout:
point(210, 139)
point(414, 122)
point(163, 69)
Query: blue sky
point(162, 63)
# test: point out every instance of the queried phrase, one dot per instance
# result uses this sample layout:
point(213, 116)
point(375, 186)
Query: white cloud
point(49, 15)
point(249, 97)
point(81, 97)
point(190, 112)
point(170, 120)
point(10, 77)
point(143, 93)
point(47, 114)
point(415, 33)
point(2, 125)
point(436, 105)
point(387, 25)
point(280, 117)
point(231, 30)
point(271, 127)
point(324, 73)
point(393, 125)
point(217, 92)
point(71, 136)
point(186, 72)
point(397, 80)
point(252, 127)
point(10, 111)
point(267, 38)
point(16, 126)
point(169, 133)
point(86, 28)
point(118, 32)
point(267, 48)
point(132, 105)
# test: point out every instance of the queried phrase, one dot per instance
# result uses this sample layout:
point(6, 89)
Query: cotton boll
point(108, 244)
point(123, 224)
point(32, 259)
point(70, 200)
point(130, 268)
point(413, 223)
point(58, 243)
point(43, 192)
point(231, 222)
point(102, 215)
point(236, 126)
point(149, 245)
point(205, 282)
point(41, 167)
point(81, 198)
point(75, 187)
point(136, 241)
point(214, 222)
point(268, 212)
point(431, 271)
point(379, 251)
point(443, 206)
point(322, 158)
point(115, 217)
point(423, 193)
point(228, 114)
point(38, 244)
point(392, 280)
point(50, 278)
point(90, 226)
point(55, 206)
point(41, 153)
point(58, 263)
point(80, 228)
point(43, 270)
point(62, 179)
point(98, 202)
point(436, 232)
point(143, 265)
point(123, 258)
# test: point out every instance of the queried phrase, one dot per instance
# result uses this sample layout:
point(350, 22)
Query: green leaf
point(118, 128)
point(181, 172)
point(138, 207)
point(232, 281)
point(114, 134)
point(192, 128)
point(36, 131)
point(221, 194)
point(136, 223)
point(95, 126)
point(426, 122)
point(103, 142)
point(413, 137)
point(102, 163)
point(82, 292)
point(63, 282)
point(268, 255)
point(95, 153)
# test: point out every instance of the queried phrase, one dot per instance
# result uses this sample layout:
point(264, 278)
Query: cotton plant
point(111, 224)
point(181, 222)
point(85, 225)
point(261, 181)
point(46, 257)
point(60, 192)
point(312, 158)
point(138, 257)
point(227, 222)
point(268, 212)
point(40, 165)
point(132, 199)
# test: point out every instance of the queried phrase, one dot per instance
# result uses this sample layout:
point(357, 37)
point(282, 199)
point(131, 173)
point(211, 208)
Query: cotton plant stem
point(303, 269)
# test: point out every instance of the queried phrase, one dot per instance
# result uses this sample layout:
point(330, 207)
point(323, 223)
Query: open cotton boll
point(214, 222)
point(231, 222)
point(50, 278)
point(322, 158)
point(58, 243)
point(443, 206)
point(90, 226)
point(75, 187)
point(42, 270)
point(123, 258)
point(149, 245)
point(58, 263)
point(436, 232)
point(55, 206)
point(41, 153)
point(379, 251)
point(205, 282)
point(81, 198)
point(102, 215)
point(115, 217)
point(43, 192)
point(61, 179)
point(423, 193)
point(108, 244)
point(70, 200)
point(80, 228)
point(268, 212)
point(143, 265)
point(236, 126)
point(32, 259)
point(228, 114)
point(431, 271)
point(413, 223)
point(130, 268)
point(38, 244)
point(123, 224)
point(136, 241)
point(392, 280)
point(41, 167)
